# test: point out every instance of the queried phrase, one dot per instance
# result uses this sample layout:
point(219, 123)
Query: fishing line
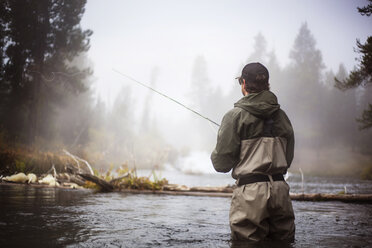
point(169, 98)
point(215, 130)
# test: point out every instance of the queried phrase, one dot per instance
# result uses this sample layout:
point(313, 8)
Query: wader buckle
point(255, 178)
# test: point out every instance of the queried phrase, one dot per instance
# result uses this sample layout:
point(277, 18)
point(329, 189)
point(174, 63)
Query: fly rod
point(169, 98)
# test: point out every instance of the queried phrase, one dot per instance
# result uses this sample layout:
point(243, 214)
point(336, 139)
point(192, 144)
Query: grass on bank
point(22, 159)
point(125, 178)
point(26, 160)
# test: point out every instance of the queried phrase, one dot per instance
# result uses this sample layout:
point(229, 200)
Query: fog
point(135, 37)
point(191, 51)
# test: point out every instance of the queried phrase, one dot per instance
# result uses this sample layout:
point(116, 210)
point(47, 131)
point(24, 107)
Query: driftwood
point(113, 181)
point(227, 192)
point(36, 185)
point(106, 186)
point(175, 189)
point(77, 159)
point(212, 189)
point(173, 192)
point(333, 197)
point(70, 178)
point(77, 179)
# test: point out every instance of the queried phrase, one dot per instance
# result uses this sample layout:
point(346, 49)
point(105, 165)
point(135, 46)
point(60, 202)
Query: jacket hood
point(261, 105)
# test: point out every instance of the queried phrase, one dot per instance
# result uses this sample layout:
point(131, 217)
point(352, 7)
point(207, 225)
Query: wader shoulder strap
point(268, 128)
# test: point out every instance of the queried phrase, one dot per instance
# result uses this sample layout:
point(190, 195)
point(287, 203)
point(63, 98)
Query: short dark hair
point(256, 77)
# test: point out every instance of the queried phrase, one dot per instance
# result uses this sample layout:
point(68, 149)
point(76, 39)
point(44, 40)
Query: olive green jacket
point(256, 136)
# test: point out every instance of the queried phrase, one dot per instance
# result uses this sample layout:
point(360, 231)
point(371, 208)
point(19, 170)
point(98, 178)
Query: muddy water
point(35, 217)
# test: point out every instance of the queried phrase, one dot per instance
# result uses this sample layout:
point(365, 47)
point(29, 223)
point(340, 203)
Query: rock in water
point(17, 178)
point(32, 178)
point(72, 185)
point(50, 180)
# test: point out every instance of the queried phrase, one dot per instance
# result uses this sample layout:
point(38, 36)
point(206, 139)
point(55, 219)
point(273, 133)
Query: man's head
point(254, 78)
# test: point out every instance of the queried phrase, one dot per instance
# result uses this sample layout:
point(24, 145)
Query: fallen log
point(105, 186)
point(212, 189)
point(208, 191)
point(115, 180)
point(78, 180)
point(173, 192)
point(37, 185)
point(333, 197)
point(70, 178)
point(175, 187)
point(211, 192)
point(77, 159)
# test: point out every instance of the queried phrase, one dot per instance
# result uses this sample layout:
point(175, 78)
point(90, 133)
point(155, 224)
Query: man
point(256, 141)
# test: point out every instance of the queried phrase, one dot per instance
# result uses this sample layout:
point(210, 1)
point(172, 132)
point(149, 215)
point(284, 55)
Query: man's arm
point(290, 140)
point(290, 149)
point(226, 154)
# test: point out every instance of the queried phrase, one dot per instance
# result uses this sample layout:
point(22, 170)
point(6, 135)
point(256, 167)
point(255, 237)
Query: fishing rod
point(169, 98)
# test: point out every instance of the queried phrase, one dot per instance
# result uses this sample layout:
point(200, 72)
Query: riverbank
point(22, 158)
point(179, 190)
point(70, 171)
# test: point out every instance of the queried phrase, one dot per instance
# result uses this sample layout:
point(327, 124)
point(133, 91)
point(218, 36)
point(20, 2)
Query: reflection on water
point(34, 216)
point(312, 184)
point(48, 217)
point(331, 185)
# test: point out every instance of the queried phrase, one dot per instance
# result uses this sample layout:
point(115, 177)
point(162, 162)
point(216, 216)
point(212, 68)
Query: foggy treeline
point(328, 136)
point(43, 70)
point(47, 98)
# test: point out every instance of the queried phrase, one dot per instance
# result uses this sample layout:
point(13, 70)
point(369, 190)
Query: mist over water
point(195, 61)
point(58, 91)
point(158, 133)
point(192, 51)
point(197, 162)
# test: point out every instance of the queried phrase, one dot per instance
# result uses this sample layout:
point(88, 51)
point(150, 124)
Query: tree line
point(46, 97)
point(41, 45)
point(321, 113)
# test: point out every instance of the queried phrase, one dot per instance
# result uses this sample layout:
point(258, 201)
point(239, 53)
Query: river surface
point(48, 217)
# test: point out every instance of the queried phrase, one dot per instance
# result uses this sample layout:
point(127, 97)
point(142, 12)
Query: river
point(49, 217)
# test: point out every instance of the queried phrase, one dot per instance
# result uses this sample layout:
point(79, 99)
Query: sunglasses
point(240, 80)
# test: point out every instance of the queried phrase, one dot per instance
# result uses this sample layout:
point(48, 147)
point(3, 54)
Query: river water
point(49, 217)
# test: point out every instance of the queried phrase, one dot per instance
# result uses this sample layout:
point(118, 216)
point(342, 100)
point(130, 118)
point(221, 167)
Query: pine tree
point(42, 37)
point(362, 74)
point(4, 87)
point(259, 53)
point(305, 92)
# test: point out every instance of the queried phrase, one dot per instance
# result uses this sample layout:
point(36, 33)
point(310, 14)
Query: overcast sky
point(137, 36)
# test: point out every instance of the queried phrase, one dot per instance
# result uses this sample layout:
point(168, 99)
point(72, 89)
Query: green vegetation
point(15, 160)
point(46, 101)
point(134, 182)
point(39, 42)
point(367, 173)
point(20, 166)
point(362, 74)
point(26, 160)
point(125, 178)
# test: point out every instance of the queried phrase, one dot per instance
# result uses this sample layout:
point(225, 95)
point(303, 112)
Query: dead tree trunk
point(105, 186)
